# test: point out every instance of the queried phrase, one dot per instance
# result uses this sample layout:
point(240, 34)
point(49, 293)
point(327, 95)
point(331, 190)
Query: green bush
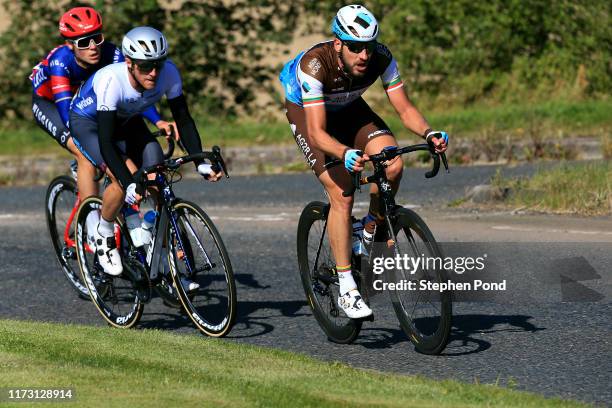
point(457, 52)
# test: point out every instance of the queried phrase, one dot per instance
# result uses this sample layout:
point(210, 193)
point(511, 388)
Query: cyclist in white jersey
point(107, 126)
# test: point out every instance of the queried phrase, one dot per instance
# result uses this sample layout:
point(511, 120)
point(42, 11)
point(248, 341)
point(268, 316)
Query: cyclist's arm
point(152, 115)
point(394, 87)
point(316, 123)
point(61, 90)
point(311, 83)
point(408, 113)
point(180, 112)
point(185, 123)
point(112, 158)
point(108, 91)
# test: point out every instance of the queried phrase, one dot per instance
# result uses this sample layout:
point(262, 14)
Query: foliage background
point(451, 52)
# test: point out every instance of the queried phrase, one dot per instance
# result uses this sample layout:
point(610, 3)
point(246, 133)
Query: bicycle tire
point(320, 287)
point(428, 333)
point(60, 200)
point(212, 307)
point(116, 298)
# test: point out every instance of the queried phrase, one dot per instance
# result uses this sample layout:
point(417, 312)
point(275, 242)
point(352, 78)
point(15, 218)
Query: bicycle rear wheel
point(424, 315)
point(196, 251)
point(61, 206)
point(116, 297)
point(319, 276)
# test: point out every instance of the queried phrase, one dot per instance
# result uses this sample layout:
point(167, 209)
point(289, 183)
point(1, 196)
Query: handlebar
point(214, 156)
point(391, 152)
point(167, 154)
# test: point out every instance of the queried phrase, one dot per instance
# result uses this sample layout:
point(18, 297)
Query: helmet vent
point(354, 32)
point(362, 22)
point(68, 26)
point(154, 44)
point(144, 46)
point(76, 17)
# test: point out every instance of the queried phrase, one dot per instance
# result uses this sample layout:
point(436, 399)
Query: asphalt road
point(548, 333)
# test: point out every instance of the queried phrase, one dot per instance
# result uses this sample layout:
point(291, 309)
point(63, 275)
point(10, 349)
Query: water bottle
point(358, 247)
point(148, 223)
point(132, 220)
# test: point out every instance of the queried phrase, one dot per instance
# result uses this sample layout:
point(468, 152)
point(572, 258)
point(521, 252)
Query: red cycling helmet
point(80, 21)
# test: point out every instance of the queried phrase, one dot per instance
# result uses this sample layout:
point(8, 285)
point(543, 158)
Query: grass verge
point(108, 367)
point(584, 189)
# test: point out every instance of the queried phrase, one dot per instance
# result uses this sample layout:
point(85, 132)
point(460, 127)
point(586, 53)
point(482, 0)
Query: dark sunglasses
point(356, 47)
point(84, 42)
point(147, 66)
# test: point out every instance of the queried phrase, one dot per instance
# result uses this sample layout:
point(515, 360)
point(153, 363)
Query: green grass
point(584, 189)
point(107, 367)
point(555, 119)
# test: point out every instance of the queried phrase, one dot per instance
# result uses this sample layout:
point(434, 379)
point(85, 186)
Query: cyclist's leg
point(372, 136)
point(85, 136)
point(143, 149)
point(335, 179)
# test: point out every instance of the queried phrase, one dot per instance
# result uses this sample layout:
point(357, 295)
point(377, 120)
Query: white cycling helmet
point(144, 44)
point(355, 23)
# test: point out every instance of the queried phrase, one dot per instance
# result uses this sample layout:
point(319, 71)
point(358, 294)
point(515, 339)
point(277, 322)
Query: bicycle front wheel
point(424, 315)
point(319, 276)
point(61, 206)
point(197, 254)
point(116, 297)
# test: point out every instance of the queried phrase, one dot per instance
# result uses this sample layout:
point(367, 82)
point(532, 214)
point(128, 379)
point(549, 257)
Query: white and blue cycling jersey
point(109, 89)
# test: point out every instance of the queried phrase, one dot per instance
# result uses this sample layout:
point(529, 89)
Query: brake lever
point(445, 162)
point(219, 159)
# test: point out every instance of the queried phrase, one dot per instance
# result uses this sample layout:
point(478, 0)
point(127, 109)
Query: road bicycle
point(185, 244)
point(61, 204)
point(425, 316)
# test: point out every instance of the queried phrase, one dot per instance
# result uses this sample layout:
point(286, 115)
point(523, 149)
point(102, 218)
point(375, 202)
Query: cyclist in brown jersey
point(330, 120)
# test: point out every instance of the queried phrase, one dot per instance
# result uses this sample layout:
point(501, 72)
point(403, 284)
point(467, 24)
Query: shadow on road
point(253, 324)
point(464, 342)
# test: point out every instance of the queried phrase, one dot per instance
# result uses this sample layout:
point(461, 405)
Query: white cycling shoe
point(353, 306)
point(108, 255)
point(188, 284)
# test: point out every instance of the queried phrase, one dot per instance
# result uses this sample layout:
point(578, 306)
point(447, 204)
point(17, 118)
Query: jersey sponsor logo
point(57, 63)
point(44, 120)
point(38, 78)
point(379, 132)
point(308, 154)
point(103, 108)
point(84, 103)
point(314, 66)
point(306, 87)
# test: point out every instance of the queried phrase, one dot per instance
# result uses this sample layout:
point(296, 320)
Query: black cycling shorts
point(354, 126)
point(132, 139)
point(48, 118)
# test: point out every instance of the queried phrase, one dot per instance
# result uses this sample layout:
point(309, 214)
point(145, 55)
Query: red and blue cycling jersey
point(58, 76)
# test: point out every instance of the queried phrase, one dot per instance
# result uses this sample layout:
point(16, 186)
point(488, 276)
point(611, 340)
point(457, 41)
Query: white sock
point(345, 279)
point(91, 222)
point(106, 228)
